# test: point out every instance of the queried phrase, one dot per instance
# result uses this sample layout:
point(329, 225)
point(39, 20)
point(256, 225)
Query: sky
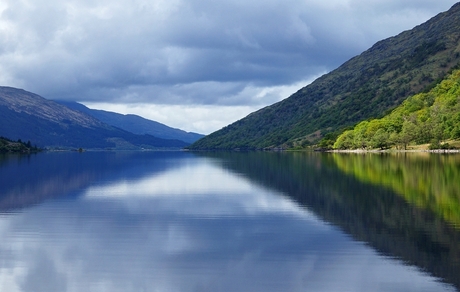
point(197, 65)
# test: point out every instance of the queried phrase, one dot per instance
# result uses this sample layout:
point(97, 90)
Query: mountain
point(134, 124)
point(30, 117)
point(366, 86)
point(429, 117)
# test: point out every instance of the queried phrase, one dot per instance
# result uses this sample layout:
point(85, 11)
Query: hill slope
point(134, 124)
point(430, 117)
point(364, 87)
point(30, 117)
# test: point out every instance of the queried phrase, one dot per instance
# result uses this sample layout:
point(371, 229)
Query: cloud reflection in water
point(196, 227)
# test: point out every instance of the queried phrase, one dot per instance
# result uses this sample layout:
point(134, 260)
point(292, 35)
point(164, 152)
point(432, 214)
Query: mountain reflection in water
point(371, 210)
point(179, 221)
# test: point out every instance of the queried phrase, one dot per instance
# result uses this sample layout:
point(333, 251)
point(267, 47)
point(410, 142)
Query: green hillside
point(430, 117)
point(367, 86)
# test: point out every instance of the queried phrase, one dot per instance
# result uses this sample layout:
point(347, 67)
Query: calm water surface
point(179, 221)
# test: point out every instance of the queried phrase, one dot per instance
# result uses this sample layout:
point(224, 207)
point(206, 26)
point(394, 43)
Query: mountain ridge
point(134, 123)
point(366, 86)
point(28, 116)
point(22, 101)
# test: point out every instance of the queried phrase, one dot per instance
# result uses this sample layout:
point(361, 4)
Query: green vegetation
point(431, 117)
point(427, 181)
point(9, 146)
point(367, 86)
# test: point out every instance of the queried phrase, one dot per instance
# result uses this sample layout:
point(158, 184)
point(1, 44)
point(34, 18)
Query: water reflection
point(370, 212)
point(178, 222)
point(31, 179)
point(430, 181)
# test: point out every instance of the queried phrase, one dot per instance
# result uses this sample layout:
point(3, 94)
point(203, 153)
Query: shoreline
point(442, 151)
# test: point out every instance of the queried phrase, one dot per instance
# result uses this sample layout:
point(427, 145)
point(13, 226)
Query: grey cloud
point(155, 51)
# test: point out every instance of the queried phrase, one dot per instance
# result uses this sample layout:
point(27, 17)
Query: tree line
point(10, 146)
point(432, 117)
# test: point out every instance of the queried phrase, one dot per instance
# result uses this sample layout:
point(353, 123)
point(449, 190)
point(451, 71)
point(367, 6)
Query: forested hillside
point(9, 146)
point(430, 117)
point(367, 86)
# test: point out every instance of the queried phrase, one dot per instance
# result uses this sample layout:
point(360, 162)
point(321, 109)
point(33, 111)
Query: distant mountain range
point(367, 86)
point(134, 124)
point(45, 123)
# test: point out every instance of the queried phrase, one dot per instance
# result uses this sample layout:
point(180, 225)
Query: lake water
point(181, 221)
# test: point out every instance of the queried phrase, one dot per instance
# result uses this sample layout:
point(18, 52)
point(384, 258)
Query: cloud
point(196, 52)
point(231, 102)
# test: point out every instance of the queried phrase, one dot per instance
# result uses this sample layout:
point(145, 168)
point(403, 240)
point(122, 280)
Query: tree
point(408, 133)
point(380, 139)
point(360, 137)
point(345, 141)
